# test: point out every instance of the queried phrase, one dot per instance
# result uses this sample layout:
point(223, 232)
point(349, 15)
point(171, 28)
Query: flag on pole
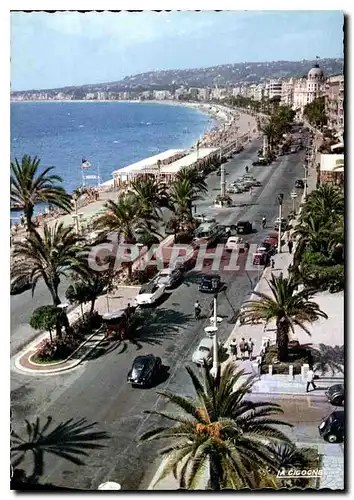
point(85, 164)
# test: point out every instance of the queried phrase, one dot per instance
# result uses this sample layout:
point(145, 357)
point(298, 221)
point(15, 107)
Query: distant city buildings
point(293, 92)
point(334, 100)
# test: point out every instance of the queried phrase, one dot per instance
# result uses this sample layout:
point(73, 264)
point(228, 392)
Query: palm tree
point(29, 186)
point(126, 217)
point(314, 234)
point(68, 440)
point(327, 358)
point(151, 193)
point(219, 433)
point(287, 306)
point(195, 178)
point(88, 284)
point(270, 130)
point(46, 257)
point(325, 197)
point(182, 196)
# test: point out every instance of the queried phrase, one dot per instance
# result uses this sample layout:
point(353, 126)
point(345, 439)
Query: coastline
point(228, 123)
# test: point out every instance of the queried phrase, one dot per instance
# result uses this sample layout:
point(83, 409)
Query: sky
point(73, 48)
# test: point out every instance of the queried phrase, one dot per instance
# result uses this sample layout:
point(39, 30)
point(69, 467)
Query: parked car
point(145, 370)
point(210, 283)
point(235, 243)
point(257, 183)
point(299, 184)
point(261, 162)
point(293, 150)
point(168, 277)
point(272, 240)
point(204, 352)
point(234, 190)
point(269, 246)
point(149, 294)
point(335, 394)
point(283, 224)
point(260, 258)
point(331, 428)
point(244, 227)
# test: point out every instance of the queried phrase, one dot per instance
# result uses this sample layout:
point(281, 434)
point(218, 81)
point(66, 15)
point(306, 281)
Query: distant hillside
point(225, 75)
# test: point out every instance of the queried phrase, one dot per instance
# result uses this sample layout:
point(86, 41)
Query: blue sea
point(110, 135)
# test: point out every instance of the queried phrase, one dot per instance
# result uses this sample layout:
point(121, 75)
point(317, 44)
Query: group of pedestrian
point(244, 347)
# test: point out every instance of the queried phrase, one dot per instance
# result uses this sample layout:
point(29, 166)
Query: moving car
point(145, 370)
point(244, 227)
point(331, 428)
point(299, 184)
point(293, 150)
point(235, 243)
point(118, 321)
point(168, 277)
point(335, 394)
point(210, 283)
point(149, 294)
point(204, 352)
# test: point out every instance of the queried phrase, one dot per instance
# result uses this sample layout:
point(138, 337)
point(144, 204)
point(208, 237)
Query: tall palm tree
point(29, 186)
point(182, 196)
point(325, 197)
point(270, 130)
point(287, 306)
point(219, 433)
point(69, 440)
point(328, 359)
point(46, 257)
point(125, 216)
point(151, 193)
point(195, 178)
point(314, 234)
point(88, 284)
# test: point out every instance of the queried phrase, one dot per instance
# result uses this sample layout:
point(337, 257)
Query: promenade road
point(98, 390)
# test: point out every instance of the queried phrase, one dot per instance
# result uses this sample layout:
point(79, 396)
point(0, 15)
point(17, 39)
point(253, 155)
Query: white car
point(235, 243)
point(204, 352)
point(149, 294)
point(234, 189)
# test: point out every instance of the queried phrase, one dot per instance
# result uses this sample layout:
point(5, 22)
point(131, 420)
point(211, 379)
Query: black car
point(269, 248)
point(299, 184)
point(244, 227)
point(335, 394)
point(210, 283)
point(261, 162)
point(145, 370)
point(332, 427)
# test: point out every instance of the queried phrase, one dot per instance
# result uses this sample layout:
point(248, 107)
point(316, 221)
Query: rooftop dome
point(315, 73)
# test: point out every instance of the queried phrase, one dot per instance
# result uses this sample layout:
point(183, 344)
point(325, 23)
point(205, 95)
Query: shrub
point(324, 278)
point(184, 237)
point(316, 259)
point(57, 350)
point(48, 318)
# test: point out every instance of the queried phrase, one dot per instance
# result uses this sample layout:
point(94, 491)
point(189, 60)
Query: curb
point(17, 362)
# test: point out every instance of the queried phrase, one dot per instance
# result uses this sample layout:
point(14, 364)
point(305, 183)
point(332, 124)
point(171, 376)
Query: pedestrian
point(290, 246)
point(250, 346)
point(309, 379)
point(233, 349)
point(242, 347)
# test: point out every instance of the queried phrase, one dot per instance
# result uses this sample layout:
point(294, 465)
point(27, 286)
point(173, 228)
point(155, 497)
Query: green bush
point(316, 259)
point(324, 277)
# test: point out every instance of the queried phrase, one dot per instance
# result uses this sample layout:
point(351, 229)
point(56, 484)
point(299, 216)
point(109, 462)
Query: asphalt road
point(98, 390)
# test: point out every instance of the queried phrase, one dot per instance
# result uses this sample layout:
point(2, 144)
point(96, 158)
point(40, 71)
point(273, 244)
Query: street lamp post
point(305, 181)
point(214, 369)
point(222, 180)
point(293, 197)
point(280, 201)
